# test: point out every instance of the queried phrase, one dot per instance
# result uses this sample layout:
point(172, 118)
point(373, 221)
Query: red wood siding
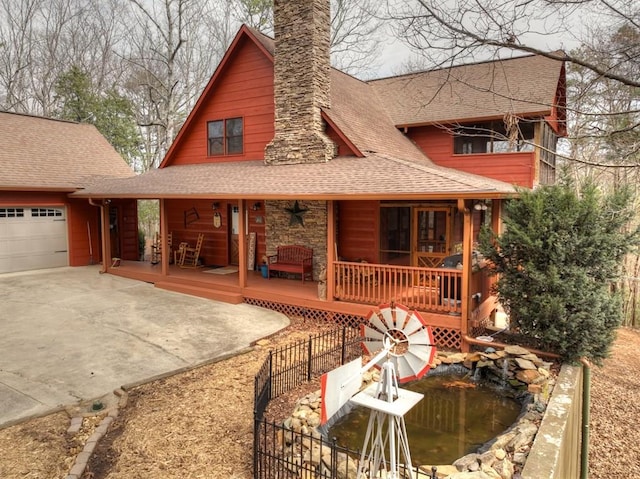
point(512, 168)
point(243, 89)
point(343, 148)
point(83, 221)
point(358, 230)
point(215, 248)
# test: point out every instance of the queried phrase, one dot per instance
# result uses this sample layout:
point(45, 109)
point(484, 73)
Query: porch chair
point(189, 257)
point(156, 248)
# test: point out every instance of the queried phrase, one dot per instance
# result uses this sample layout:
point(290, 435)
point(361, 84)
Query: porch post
point(331, 241)
point(164, 243)
point(242, 245)
point(106, 236)
point(467, 245)
point(496, 215)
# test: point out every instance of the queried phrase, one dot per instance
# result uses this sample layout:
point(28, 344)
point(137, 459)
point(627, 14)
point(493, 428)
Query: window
point(225, 137)
point(491, 137)
point(44, 212)
point(11, 212)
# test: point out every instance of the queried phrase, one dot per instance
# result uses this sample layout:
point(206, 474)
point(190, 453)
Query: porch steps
point(202, 292)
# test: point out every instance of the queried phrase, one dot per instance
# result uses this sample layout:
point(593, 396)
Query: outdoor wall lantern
point(480, 206)
point(256, 206)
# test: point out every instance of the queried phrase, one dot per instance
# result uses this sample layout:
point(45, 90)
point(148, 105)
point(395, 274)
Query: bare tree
point(357, 30)
point(16, 52)
point(472, 30)
point(170, 56)
point(39, 40)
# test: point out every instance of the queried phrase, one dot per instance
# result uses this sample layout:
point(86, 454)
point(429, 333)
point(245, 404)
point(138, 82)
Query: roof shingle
point(523, 86)
point(41, 153)
point(344, 177)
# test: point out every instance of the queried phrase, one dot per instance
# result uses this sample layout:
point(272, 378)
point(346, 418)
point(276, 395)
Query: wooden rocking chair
point(189, 257)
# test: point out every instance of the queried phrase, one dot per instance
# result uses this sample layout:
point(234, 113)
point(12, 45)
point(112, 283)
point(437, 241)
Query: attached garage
point(33, 238)
point(44, 161)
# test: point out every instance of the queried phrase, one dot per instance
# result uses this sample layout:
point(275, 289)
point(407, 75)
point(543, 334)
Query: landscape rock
point(516, 350)
point(522, 370)
point(525, 364)
point(465, 463)
point(443, 471)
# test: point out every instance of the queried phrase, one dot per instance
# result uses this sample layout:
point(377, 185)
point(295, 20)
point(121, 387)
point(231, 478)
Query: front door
point(431, 236)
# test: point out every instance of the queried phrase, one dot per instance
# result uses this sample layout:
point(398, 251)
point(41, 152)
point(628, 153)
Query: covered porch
point(357, 288)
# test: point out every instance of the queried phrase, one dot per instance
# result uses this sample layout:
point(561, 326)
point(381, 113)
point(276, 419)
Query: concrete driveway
point(70, 335)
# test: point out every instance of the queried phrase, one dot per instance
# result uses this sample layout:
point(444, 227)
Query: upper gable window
point(491, 137)
point(225, 137)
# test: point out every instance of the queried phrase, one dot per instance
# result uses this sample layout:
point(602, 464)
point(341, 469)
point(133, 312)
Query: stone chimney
point(301, 82)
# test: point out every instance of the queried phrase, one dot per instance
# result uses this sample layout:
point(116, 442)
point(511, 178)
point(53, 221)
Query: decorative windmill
point(402, 346)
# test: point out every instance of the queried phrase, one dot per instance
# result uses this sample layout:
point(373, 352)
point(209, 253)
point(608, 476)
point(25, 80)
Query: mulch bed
point(199, 424)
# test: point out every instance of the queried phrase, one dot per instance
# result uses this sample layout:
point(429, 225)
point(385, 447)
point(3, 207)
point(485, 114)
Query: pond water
point(455, 417)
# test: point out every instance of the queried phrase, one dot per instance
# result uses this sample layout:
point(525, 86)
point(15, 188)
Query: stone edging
point(501, 457)
point(82, 459)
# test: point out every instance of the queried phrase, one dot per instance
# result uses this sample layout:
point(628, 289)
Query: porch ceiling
point(374, 176)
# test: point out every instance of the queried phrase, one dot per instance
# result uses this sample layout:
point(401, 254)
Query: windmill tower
point(404, 349)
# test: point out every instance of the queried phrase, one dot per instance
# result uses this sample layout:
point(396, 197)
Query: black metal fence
point(277, 451)
point(278, 455)
point(291, 366)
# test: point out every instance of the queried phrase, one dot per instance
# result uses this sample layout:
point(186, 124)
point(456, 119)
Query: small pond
point(456, 417)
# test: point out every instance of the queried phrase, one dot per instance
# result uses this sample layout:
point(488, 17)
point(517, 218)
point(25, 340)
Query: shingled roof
point(374, 176)
point(368, 114)
point(525, 86)
point(43, 154)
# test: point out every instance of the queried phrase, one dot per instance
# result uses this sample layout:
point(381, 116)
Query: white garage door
point(32, 238)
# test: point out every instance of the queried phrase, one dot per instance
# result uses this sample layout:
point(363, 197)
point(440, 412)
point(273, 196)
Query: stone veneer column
point(301, 82)
point(313, 234)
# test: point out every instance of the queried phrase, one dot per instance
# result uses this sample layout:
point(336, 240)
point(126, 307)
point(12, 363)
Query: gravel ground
point(199, 424)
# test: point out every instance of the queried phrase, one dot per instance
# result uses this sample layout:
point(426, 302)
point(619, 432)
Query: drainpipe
point(537, 352)
point(586, 401)
point(103, 269)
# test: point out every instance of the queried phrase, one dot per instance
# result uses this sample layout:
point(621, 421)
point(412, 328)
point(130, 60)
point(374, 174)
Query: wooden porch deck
point(224, 287)
point(219, 287)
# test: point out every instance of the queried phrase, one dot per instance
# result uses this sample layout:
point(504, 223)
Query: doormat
point(225, 270)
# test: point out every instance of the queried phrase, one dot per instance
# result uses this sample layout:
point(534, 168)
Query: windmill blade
point(377, 322)
point(371, 333)
point(413, 324)
point(421, 336)
point(422, 353)
point(387, 315)
point(404, 370)
point(401, 314)
point(372, 339)
point(372, 346)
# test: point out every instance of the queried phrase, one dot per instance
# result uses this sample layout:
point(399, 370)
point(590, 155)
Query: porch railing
point(426, 289)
